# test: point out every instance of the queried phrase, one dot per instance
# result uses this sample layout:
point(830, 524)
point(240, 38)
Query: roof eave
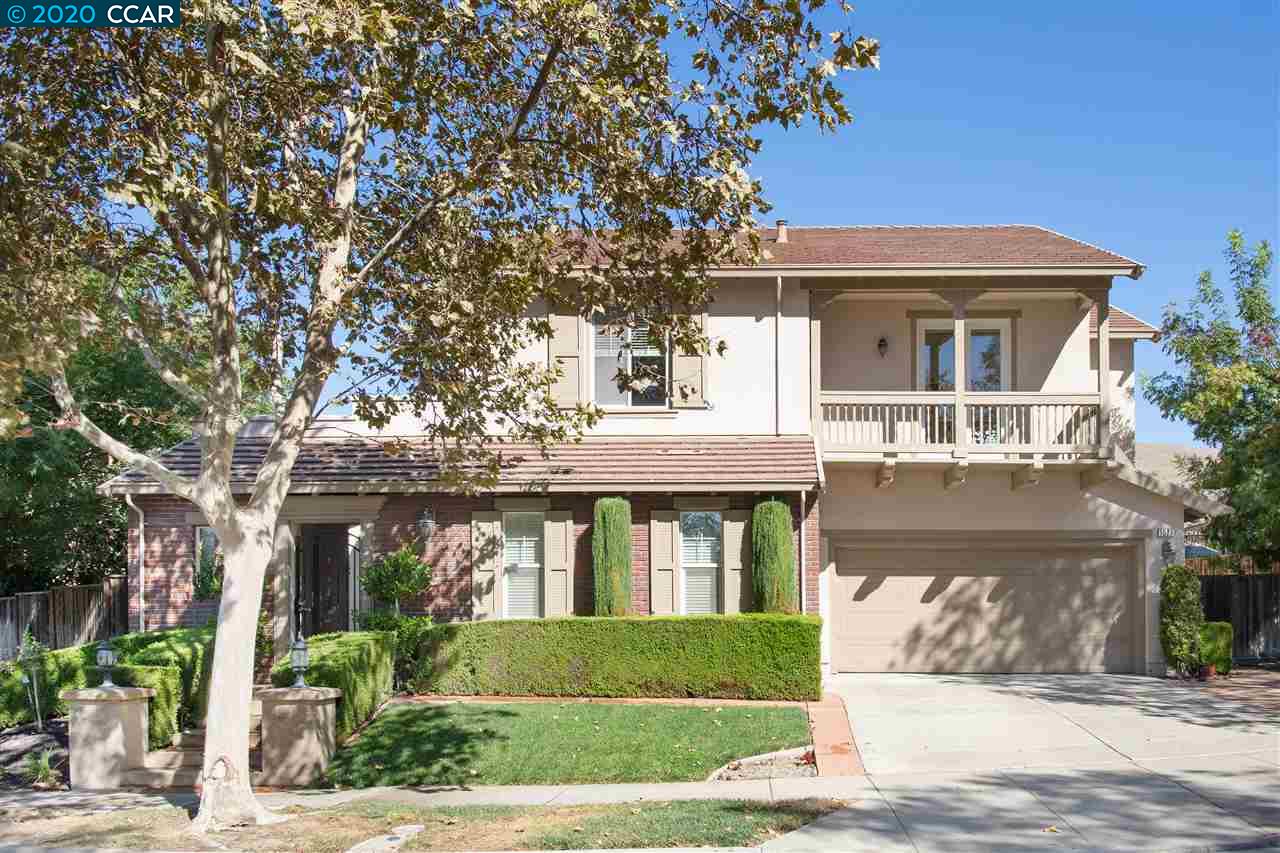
point(767, 270)
point(526, 486)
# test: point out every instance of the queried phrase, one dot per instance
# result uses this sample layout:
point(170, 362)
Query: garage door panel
point(979, 609)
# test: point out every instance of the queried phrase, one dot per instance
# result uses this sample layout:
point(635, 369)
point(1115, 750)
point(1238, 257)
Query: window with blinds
point(522, 556)
point(633, 351)
point(700, 557)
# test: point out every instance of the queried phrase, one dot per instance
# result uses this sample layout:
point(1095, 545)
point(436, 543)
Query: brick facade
point(170, 559)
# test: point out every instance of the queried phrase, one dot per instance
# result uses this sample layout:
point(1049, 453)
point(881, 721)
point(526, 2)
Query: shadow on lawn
point(416, 745)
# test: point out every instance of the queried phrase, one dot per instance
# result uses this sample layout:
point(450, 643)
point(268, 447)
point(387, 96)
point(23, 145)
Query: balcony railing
point(926, 421)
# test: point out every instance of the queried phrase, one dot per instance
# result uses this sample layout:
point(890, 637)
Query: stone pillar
point(281, 570)
point(108, 734)
point(298, 734)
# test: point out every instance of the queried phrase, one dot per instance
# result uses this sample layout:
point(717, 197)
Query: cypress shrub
point(611, 556)
point(773, 559)
point(1181, 616)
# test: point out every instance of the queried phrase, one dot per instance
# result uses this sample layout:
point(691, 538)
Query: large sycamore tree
point(1226, 385)
point(384, 194)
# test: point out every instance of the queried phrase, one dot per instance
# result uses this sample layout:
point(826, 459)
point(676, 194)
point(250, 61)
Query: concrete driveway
point(1025, 762)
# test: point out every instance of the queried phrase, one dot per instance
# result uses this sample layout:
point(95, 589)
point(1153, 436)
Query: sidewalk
point(759, 790)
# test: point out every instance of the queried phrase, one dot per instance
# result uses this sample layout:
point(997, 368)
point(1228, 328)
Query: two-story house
point(949, 411)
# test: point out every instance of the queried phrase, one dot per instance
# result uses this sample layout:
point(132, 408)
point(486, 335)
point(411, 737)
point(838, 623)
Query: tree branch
point(135, 335)
point(81, 423)
point(415, 222)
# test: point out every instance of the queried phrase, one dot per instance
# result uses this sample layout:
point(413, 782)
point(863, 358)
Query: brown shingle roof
point(930, 245)
point(684, 463)
point(1123, 324)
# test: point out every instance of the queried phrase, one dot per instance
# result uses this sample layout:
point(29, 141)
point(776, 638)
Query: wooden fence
point(1251, 603)
point(65, 616)
point(1229, 564)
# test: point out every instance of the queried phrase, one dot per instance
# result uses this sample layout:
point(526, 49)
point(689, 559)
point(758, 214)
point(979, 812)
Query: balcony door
point(987, 355)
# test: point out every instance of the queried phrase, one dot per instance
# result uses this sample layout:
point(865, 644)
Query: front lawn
point(559, 743)
point(710, 823)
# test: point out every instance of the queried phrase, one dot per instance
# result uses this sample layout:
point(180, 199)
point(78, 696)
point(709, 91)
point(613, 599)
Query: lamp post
point(106, 660)
point(299, 657)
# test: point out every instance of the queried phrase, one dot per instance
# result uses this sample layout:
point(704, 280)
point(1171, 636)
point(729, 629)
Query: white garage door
point(983, 609)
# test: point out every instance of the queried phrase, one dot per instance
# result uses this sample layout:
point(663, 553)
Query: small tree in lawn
point(387, 194)
point(773, 559)
point(611, 556)
point(397, 576)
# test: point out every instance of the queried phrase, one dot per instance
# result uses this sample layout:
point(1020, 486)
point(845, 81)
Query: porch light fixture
point(882, 347)
point(106, 660)
point(426, 522)
point(299, 658)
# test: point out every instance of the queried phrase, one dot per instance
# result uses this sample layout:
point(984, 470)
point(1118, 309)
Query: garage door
point(983, 609)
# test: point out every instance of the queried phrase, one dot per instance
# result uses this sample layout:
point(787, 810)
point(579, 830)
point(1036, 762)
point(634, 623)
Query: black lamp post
point(299, 658)
point(106, 660)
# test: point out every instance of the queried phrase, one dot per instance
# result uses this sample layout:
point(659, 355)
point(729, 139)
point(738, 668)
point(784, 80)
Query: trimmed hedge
point(611, 556)
point(191, 653)
point(1216, 641)
point(1181, 615)
point(361, 664)
point(740, 656)
point(74, 667)
point(773, 558)
point(162, 710)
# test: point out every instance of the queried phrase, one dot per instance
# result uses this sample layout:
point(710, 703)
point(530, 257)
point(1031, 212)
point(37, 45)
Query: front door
point(323, 589)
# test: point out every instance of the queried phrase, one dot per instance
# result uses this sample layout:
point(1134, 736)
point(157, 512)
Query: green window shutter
point(486, 563)
point(736, 561)
point(664, 550)
point(689, 377)
point(564, 348)
point(557, 586)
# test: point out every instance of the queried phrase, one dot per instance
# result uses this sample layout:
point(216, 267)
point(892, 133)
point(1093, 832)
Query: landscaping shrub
point(1181, 615)
point(162, 711)
point(398, 575)
point(741, 656)
point(773, 559)
point(409, 632)
point(1216, 641)
point(611, 556)
point(361, 664)
point(191, 654)
point(70, 668)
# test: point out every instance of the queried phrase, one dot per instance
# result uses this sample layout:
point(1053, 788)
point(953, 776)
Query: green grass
point(559, 743)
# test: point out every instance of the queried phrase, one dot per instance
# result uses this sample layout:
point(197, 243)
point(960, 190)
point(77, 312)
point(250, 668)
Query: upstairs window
point(634, 352)
point(987, 353)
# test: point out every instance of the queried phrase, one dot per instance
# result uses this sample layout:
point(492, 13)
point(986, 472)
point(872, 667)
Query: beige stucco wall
point(1052, 350)
point(986, 502)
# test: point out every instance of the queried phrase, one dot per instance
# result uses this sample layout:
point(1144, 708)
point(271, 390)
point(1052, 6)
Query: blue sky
point(1147, 128)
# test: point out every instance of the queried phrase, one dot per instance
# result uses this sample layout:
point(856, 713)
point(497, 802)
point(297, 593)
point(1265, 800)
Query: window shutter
point(558, 585)
point(486, 558)
point(734, 533)
point(664, 536)
point(689, 377)
point(564, 348)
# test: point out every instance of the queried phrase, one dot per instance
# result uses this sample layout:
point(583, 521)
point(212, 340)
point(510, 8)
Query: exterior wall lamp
point(882, 347)
point(426, 522)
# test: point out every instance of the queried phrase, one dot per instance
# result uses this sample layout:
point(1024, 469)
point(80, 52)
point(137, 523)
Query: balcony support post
point(1103, 300)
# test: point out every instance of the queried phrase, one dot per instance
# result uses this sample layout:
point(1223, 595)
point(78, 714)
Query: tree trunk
point(227, 798)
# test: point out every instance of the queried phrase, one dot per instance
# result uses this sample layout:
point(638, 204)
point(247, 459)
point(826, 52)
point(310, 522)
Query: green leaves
point(1226, 385)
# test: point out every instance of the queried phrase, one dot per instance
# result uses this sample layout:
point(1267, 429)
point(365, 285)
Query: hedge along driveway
point(559, 743)
point(745, 656)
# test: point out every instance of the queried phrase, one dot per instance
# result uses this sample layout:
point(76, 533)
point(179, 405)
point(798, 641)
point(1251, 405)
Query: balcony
point(923, 423)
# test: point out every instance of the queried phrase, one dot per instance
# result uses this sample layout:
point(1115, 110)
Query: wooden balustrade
point(926, 421)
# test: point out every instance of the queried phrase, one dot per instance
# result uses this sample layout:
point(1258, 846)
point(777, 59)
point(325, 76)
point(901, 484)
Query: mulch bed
point(21, 741)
